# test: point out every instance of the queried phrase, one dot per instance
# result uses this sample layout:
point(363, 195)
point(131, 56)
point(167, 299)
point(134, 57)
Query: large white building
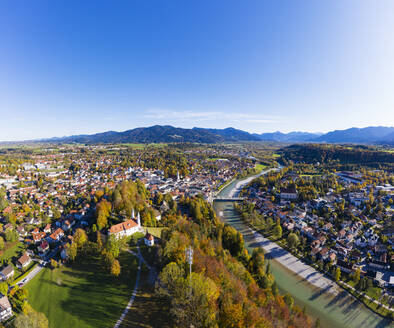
point(126, 228)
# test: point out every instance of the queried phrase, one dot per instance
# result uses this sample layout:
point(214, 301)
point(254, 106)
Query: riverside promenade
point(292, 263)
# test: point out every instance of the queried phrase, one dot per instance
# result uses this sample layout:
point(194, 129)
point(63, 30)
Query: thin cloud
point(192, 116)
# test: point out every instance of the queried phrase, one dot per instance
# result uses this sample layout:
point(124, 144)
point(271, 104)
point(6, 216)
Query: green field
point(259, 167)
point(83, 295)
point(12, 250)
point(142, 146)
point(155, 231)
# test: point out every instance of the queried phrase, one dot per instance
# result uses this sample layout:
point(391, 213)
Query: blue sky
point(70, 67)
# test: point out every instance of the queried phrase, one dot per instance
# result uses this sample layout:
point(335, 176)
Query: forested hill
point(159, 133)
point(324, 153)
point(168, 134)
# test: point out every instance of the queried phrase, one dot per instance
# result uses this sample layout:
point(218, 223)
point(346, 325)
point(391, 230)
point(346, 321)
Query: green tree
point(31, 320)
point(2, 244)
point(274, 288)
point(289, 300)
point(99, 240)
point(337, 274)
point(277, 231)
point(21, 294)
point(3, 288)
point(232, 240)
point(356, 277)
point(170, 278)
point(56, 214)
point(11, 235)
point(292, 240)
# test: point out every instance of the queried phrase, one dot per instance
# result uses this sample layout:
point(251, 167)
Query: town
point(340, 222)
point(47, 195)
point(96, 209)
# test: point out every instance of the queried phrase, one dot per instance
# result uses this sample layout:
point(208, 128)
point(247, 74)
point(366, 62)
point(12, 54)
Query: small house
point(23, 261)
point(43, 248)
point(5, 308)
point(7, 272)
point(149, 239)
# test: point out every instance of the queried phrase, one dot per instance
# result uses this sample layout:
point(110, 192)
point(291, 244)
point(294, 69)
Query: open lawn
point(11, 250)
point(259, 167)
point(148, 309)
point(83, 294)
point(155, 231)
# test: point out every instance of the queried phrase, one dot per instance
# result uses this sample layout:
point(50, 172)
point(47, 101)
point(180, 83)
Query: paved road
point(31, 275)
point(369, 298)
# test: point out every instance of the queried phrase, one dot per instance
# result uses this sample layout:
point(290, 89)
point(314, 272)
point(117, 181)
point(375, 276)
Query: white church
point(126, 228)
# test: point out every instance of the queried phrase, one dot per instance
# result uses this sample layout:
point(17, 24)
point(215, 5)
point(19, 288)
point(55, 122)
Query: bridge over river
point(229, 199)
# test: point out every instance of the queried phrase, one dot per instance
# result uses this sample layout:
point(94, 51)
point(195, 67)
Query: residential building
point(5, 308)
point(7, 272)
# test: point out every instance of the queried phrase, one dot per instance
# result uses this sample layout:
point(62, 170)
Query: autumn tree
point(54, 264)
point(115, 268)
point(193, 299)
point(103, 210)
point(72, 251)
point(80, 237)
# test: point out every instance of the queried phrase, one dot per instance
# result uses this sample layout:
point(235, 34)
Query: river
point(340, 311)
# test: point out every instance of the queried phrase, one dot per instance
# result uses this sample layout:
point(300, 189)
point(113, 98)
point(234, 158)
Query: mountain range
point(167, 133)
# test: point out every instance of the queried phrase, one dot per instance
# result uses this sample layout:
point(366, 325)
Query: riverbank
point(312, 275)
point(340, 311)
point(292, 263)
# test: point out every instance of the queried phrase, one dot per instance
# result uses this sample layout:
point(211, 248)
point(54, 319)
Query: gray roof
point(7, 270)
point(4, 303)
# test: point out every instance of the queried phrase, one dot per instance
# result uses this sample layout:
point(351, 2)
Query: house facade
point(7, 272)
point(149, 240)
point(125, 229)
point(5, 308)
point(23, 261)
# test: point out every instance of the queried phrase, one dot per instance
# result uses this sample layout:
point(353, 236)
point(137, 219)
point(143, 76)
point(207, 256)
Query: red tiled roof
point(129, 224)
point(24, 259)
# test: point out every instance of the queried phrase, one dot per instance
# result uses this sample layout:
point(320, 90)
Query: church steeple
point(138, 219)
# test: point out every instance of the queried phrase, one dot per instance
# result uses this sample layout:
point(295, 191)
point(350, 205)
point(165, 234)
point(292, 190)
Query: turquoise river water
point(341, 311)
